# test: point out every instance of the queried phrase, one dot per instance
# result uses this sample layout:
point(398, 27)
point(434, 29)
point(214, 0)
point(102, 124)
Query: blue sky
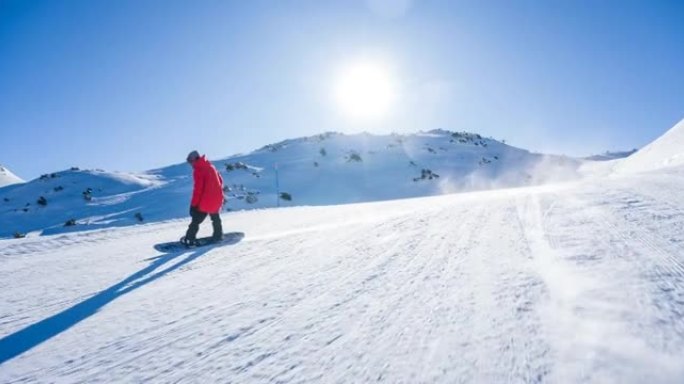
point(134, 85)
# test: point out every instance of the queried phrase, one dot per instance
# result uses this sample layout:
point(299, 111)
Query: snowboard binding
point(189, 243)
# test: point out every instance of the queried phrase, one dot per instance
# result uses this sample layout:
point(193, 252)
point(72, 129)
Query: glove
point(193, 210)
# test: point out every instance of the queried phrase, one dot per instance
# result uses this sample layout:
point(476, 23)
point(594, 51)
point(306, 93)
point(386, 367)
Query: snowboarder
point(207, 198)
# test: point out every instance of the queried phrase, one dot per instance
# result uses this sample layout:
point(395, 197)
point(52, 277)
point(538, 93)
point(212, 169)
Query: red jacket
point(207, 193)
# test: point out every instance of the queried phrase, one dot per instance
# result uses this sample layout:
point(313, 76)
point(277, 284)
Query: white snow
point(666, 151)
point(8, 178)
point(579, 282)
point(115, 196)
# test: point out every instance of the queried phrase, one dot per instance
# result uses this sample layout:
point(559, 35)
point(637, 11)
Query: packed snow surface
point(568, 283)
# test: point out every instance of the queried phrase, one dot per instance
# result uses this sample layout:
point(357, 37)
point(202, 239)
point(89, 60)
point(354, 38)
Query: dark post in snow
point(275, 165)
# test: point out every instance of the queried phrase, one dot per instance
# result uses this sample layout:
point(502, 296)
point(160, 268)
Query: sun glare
point(364, 90)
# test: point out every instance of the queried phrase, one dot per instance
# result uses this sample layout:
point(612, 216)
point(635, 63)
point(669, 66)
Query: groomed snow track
point(575, 283)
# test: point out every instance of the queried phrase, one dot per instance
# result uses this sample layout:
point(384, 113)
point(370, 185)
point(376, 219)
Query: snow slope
point(575, 283)
point(93, 198)
point(8, 178)
point(325, 169)
point(666, 151)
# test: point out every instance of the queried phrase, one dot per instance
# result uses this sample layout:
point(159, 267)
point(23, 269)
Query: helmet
point(192, 156)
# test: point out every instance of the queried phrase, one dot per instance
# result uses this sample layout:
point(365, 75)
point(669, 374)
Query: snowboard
point(175, 246)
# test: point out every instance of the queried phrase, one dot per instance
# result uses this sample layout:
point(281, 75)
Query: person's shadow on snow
point(31, 336)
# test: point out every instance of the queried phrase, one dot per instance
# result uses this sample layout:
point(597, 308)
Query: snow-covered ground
point(666, 151)
point(572, 282)
point(575, 282)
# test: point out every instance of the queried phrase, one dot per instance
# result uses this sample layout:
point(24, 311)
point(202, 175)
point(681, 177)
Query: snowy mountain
point(666, 151)
point(325, 169)
point(8, 178)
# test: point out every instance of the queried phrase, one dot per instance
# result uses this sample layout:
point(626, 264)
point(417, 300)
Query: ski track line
point(506, 296)
point(612, 297)
point(560, 315)
point(638, 223)
point(663, 265)
point(670, 217)
point(660, 190)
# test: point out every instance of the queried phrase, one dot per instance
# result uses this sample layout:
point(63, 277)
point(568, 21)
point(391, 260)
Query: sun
point(364, 90)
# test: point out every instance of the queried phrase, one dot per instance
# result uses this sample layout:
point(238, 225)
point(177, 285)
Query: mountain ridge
point(325, 169)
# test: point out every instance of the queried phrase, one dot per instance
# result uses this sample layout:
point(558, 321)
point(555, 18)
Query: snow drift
point(666, 151)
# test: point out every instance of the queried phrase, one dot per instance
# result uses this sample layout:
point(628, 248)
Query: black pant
point(197, 219)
